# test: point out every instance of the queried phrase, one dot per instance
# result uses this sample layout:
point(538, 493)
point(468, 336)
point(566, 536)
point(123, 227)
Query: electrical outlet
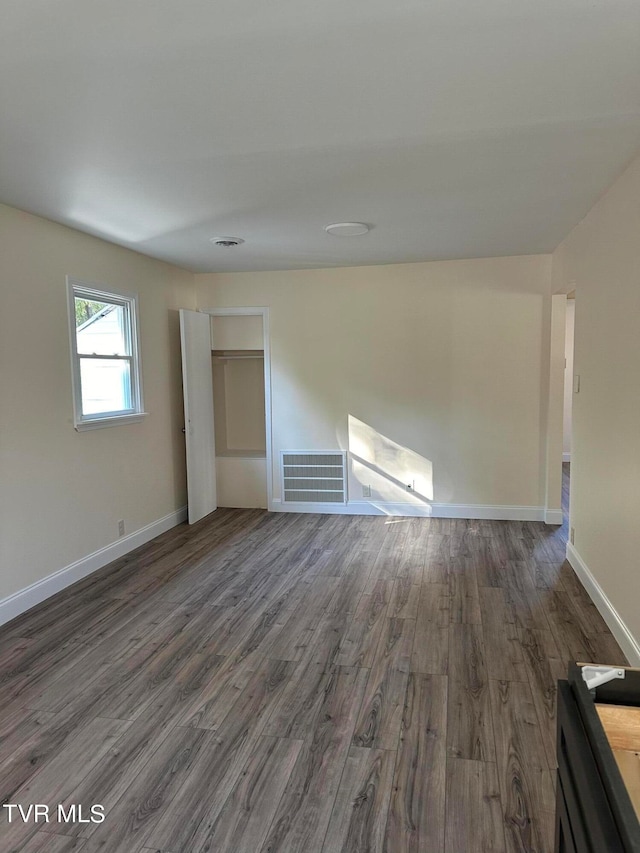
point(366, 491)
point(121, 527)
point(572, 536)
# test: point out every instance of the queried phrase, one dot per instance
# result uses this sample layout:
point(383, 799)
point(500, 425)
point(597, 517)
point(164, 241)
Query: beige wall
point(602, 256)
point(63, 492)
point(238, 404)
point(237, 332)
point(435, 370)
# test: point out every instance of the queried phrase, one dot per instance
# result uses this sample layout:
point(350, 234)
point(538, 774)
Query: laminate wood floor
point(269, 682)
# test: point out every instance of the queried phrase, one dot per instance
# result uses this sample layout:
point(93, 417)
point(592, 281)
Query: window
point(105, 357)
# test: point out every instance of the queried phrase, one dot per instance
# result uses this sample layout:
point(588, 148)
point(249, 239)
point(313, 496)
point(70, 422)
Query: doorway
point(569, 338)
point(233, 343)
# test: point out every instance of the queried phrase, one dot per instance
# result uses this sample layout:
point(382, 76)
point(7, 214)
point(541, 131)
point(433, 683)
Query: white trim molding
point(23, 600)
point(566, 456)
point(422, 510)
point(627, 642)
point(553, 516)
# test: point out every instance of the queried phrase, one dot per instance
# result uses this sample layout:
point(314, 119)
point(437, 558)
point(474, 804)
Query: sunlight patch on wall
point(392, 471)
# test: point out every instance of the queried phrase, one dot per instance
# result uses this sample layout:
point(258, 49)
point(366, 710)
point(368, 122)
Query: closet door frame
point(266, 345)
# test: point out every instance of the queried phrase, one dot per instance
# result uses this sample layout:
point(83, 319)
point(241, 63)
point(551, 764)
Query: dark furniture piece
point(598, 791)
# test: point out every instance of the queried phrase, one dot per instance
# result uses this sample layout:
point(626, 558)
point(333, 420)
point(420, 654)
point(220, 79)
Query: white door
point(197, 388)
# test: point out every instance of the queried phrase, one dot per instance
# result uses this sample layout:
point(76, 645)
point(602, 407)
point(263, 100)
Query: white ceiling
point(456, 128)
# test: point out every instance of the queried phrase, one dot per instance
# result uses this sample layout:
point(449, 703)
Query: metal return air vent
point(314, 476)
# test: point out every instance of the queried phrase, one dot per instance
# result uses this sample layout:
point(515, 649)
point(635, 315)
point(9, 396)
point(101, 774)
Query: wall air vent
point(314, 476)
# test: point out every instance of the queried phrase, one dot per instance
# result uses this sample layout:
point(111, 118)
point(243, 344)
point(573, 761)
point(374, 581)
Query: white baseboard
point(423, 510)
point(28, 597)
point(623, 635)
point(553, 516)
point(566, 457)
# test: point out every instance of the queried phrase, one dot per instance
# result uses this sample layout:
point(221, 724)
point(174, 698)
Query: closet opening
point(239, 380)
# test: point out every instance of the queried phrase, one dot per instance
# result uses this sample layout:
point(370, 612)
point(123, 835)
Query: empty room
point(319, 409)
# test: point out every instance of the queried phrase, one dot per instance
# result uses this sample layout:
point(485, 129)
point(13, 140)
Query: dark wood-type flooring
point(273, 682)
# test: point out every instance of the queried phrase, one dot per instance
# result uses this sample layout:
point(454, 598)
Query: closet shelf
point(241, 454)
point(236, 355)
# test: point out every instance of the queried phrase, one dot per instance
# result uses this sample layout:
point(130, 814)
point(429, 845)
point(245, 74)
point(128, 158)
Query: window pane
point(101, 328)
point(106, 385)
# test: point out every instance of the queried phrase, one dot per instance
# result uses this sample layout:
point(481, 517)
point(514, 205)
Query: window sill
point(120, 420)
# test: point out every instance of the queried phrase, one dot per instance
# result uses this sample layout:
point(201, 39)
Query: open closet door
point(197, 388)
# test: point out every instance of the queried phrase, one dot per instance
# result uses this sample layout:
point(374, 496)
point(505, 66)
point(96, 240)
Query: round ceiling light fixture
point(347, 229)
point(226, 242)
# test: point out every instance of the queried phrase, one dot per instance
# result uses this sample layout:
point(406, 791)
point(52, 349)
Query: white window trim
point(76, 287)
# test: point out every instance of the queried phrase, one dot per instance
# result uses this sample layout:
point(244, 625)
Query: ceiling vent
point(226, 241)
